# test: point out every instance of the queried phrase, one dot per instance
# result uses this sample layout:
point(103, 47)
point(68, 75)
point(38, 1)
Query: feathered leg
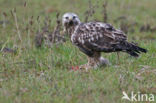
point(95, 61)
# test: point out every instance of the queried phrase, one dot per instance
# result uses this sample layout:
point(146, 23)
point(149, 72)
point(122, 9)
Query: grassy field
point(43, 75)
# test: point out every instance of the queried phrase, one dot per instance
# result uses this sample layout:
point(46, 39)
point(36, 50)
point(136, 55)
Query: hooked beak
point(71, 21)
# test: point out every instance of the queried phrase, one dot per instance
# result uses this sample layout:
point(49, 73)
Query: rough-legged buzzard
point(92, 38)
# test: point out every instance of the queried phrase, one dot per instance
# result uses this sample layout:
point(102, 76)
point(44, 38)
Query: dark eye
point(67, 17)
point(74, 17)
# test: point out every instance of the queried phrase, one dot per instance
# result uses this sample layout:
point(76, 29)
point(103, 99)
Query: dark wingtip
point(132, 53)
point(143, 50)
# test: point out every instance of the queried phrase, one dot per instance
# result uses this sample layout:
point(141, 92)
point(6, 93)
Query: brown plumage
point(99, 37)
point(92, 38)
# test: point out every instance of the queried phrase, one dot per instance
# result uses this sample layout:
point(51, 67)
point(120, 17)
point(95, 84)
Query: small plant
point(50, 37)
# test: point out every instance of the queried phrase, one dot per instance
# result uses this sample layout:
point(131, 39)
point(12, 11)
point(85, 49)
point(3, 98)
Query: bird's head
point(70, 20)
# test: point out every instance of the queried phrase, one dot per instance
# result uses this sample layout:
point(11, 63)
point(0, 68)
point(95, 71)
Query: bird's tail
point(132, 49)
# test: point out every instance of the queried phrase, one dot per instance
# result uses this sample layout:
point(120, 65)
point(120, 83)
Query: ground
point(43, 75)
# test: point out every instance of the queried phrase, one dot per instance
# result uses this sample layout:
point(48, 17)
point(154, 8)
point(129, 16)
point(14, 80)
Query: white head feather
point(70, 18)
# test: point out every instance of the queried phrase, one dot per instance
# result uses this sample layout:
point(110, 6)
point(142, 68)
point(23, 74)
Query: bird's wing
point(97, 36)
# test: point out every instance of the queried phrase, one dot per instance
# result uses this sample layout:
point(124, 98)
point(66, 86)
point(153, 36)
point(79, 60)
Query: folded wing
point(100, 37)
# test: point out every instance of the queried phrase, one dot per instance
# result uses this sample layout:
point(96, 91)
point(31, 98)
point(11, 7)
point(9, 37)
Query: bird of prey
point(93, 38)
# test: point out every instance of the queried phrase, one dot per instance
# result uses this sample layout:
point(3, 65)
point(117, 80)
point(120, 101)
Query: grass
point(43, 76)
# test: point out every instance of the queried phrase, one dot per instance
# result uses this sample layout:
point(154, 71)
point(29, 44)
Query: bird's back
point(95, 31)
point(102, 37)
